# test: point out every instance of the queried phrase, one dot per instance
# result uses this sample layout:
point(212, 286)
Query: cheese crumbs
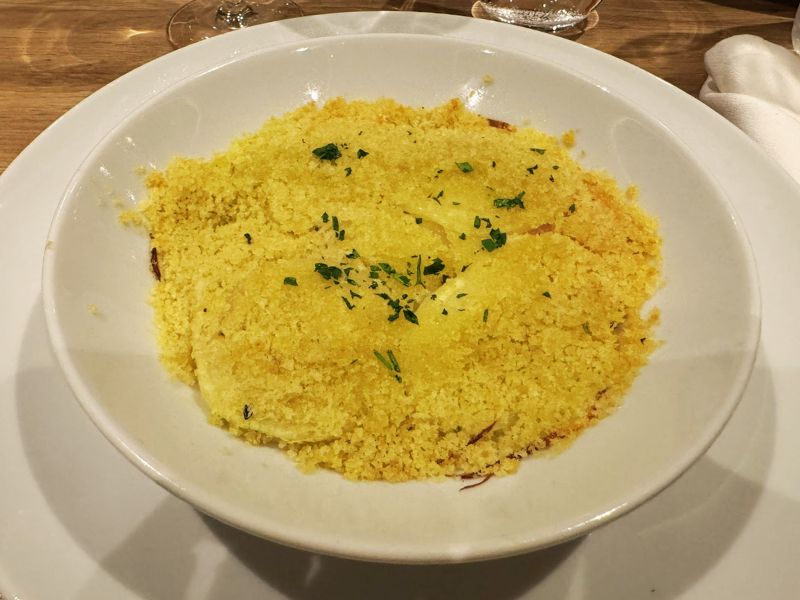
point(398, 293)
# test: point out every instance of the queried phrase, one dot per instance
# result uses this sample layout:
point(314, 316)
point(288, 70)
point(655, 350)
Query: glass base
point(561, 21)
point(202, 19)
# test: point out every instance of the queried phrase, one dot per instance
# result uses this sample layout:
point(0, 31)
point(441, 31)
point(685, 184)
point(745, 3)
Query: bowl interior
point(681, 400)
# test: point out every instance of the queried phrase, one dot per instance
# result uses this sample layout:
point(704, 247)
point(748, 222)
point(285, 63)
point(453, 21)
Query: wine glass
point(201, 19)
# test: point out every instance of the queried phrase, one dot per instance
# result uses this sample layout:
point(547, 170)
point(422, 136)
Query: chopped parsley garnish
point(586, 330)
point(555, 167)
point(444, 312)
point(290, 281)
point(327, 152)
point(510, 202)
point(539, 150)
point(249, 238)
point(390, 363)
point(435, 267)
point(437, 196)
point(465, 267)
point(532, 169)
point(417, 220)
point(247, 412)
point(496, 239)
point(393, 360)
point(464, 166)
point(336, 223)
point(340, 235)
point(477, 223)
point(461, 295)
point(463, 236)
point(361, 153)
point(354, 295)
point(410, 316)
point(328, 271)
point(552, 178)
point(485, 315)
point(546, 294)
point(325, 217)
point(347, 171)
point(353, 254)
point(494, 164)
point(571, 208)
point(347, 303)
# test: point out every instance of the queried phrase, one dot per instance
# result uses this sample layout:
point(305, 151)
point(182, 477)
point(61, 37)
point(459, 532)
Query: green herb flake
point(463, 236)
point(552, 179)
point(485, 315)
point(539, 150)
point(410, 316)
point(494, 164)
point(325, 217)
point(353, 254)
point(327, 152)
point(290, 281)
point(516, 201)
point(571, 208)
point(435, 267)
point(461, 295)
point(546, 294)
point(249, 238)
point(340, 236)
point(555, 167)
point(444, 312)
point(247, 412)
point(496, 239)
point(354, 295)
point(532, 169)
point(465, 167)
point(390, 363)
point(347, 171)
point(347, 303)
point(586, 330)
point(335, 223)
point(328, 272)
point(393, 360)
point(477, 223)
point(361, 153)
point(417, 220)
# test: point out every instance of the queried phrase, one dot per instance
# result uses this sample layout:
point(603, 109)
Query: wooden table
point(54, 53)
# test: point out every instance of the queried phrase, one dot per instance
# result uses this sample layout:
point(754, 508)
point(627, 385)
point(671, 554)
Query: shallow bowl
point(679, 403)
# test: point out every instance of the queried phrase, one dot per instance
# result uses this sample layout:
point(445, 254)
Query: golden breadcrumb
point(398, 293)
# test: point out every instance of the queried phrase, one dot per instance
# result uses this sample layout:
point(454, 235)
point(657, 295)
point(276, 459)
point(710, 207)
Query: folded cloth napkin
point(756, 85)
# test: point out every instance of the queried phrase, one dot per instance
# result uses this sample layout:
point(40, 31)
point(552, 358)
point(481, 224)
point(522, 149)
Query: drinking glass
point(549, 15)
point(201, 19)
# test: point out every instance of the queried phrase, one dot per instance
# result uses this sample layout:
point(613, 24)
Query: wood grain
point(54, 53)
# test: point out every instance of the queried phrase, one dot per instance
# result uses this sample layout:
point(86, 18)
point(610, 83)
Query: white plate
point(751, 461)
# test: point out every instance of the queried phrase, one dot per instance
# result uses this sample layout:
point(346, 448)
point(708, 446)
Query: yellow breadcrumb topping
point(398, 293)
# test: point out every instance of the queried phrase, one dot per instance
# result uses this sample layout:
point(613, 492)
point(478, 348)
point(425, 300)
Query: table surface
point(54, 53)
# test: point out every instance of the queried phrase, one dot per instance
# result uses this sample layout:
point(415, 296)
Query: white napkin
point(756, 85)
